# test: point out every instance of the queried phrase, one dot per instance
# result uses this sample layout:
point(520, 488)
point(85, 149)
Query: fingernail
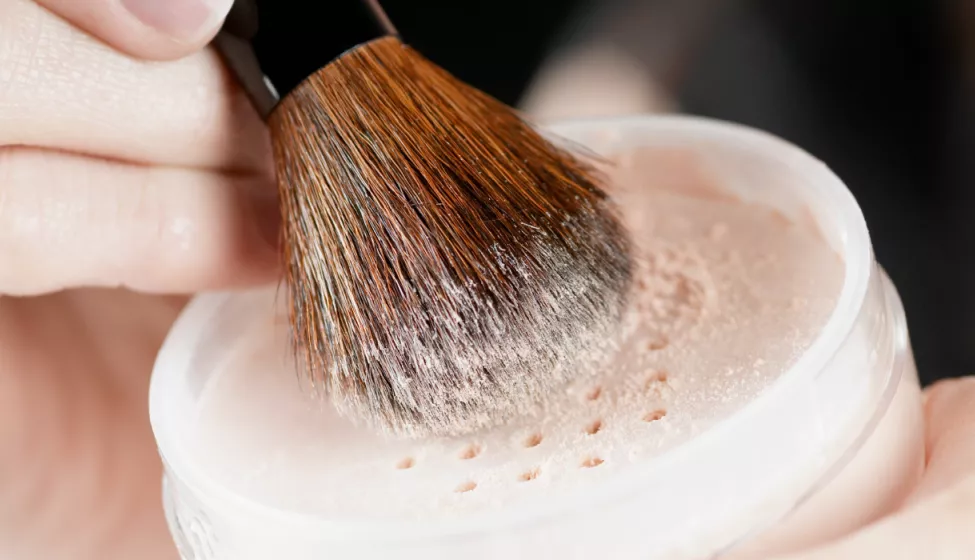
point(184, 20)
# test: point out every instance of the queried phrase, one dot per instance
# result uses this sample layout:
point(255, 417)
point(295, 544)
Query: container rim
point(174, 358)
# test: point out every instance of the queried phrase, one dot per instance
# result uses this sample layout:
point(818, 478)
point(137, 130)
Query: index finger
point(949, 412)
point(149, 29)
point(61, 89)
point(938, 528)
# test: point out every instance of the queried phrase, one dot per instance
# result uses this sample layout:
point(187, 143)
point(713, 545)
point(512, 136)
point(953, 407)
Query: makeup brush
point(446, 265)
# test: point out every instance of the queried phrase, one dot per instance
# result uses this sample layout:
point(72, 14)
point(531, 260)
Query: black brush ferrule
point(275, 45)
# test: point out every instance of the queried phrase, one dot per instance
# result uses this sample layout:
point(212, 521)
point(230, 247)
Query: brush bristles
point(447, 266)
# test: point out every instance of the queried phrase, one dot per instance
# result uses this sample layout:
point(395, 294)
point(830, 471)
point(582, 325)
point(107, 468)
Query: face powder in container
point(764, 371)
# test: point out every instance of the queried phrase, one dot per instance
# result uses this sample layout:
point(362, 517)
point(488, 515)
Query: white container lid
point(692, 501)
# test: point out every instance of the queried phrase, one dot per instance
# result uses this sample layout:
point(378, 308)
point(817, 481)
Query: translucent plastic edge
point(895, 310)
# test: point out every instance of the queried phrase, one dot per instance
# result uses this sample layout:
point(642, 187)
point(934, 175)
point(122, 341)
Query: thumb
point(939, 527)
point(149, 29)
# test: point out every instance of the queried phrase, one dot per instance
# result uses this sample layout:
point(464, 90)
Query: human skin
point(127, 185)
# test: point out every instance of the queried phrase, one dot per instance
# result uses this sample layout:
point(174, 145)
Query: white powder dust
point(726, 297)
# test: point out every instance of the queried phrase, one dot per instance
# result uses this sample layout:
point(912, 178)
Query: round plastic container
point(834, 443)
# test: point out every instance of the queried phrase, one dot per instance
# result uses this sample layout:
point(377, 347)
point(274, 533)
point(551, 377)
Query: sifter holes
point(593, 427)
point(533, 440)
point(658, 343)
point(529, 475)
point(590, 462)
point(654, 415)
point(470, 452)
point(659, 376)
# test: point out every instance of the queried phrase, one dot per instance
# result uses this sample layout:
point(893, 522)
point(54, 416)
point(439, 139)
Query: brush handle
point(272, 46)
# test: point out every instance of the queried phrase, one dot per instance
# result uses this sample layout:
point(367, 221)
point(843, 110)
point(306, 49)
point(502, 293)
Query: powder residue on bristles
point(726, 296)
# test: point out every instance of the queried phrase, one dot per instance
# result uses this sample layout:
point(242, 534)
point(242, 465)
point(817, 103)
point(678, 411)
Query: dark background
point(878, 89)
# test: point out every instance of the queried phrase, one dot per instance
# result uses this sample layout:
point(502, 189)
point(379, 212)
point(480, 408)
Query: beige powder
point(726, 297)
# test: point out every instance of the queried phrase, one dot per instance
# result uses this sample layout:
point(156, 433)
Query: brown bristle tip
point(447, 265)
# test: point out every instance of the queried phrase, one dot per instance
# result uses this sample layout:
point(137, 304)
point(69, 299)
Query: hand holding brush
point(446, 265)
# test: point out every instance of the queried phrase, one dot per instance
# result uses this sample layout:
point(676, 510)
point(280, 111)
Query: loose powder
point(726, 297)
